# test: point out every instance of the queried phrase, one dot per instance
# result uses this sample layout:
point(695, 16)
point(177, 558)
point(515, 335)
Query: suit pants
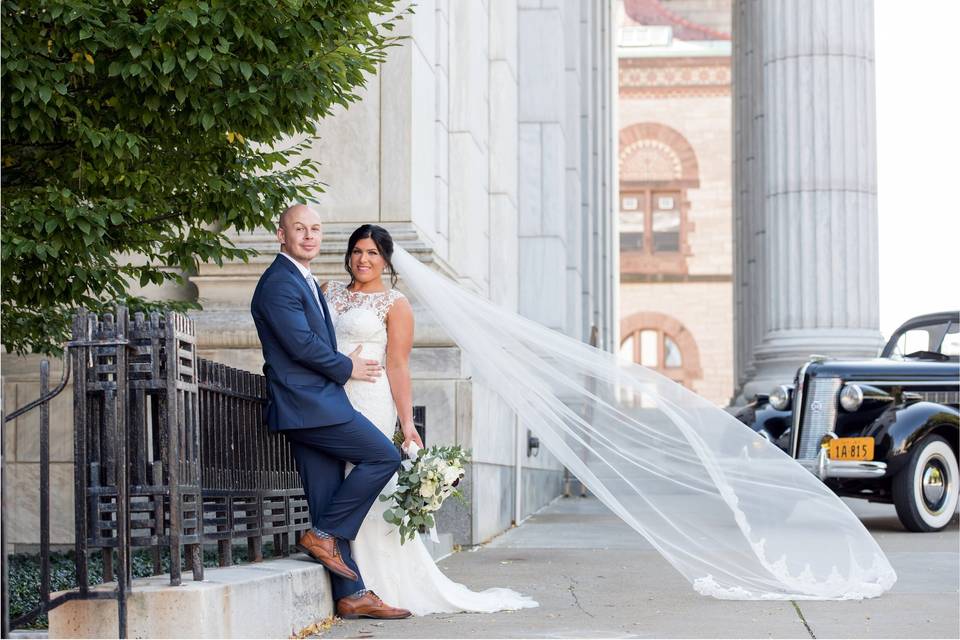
point(338, 505)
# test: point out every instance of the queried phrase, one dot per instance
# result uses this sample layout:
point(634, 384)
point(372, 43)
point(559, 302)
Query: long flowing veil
point(730, 511)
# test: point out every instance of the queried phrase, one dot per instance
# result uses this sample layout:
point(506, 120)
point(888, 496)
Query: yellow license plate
point(851, 449)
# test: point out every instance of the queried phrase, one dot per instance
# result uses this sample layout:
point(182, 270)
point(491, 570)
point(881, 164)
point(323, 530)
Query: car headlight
point(851, 397)
point(780, 398)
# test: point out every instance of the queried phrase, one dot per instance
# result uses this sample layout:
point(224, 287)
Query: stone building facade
point(484, 144)
point(675, 187)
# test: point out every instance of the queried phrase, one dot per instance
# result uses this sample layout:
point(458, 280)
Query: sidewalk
point(595, 577)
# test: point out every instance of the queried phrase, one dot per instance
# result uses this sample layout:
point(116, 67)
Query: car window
point(928, 338)
point(951, 342)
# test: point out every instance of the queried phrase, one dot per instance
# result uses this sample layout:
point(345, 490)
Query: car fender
point(767, 421)
point(901, 427)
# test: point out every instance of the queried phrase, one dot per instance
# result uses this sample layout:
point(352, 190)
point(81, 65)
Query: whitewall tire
point(926, 490)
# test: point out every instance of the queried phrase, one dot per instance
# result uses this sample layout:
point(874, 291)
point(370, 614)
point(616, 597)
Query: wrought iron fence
point(170, 454)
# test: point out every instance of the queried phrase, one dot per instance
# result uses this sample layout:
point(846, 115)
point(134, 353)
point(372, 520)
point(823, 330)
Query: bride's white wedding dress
point(403, 575)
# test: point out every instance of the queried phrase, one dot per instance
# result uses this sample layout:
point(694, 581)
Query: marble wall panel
point(540, 65)
point(493, 500)
point(348, 150)
point(575, 311)
point(23, 491)
point(468, 70)
point(464, 389)
point(469, 209)
point(530, 179)
point(503, 32)
point(504, 251)
point(553, 191)
point(435, 363)
point(494, 428)
point(455, 517)
point(540, 488)
point(440, 399)
point(573, 232)
point(27, 426)
point(503, 129)
point(543, 283)
point(423, 29)
point(396, 144)
point(423, 125)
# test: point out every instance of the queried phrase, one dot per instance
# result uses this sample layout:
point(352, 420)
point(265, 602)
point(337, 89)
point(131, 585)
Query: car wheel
point(926, 490)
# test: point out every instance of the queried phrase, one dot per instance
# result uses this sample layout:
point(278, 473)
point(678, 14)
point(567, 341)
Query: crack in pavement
point(576, 600)
point(802, 619)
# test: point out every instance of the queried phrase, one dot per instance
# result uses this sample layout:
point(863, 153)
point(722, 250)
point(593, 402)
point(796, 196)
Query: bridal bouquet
point(424, 481)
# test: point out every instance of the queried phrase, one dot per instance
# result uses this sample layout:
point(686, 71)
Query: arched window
point(657, 166)
point(661, 342)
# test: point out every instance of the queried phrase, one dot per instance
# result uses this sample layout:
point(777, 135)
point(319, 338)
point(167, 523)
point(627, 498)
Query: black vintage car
point(884, 429)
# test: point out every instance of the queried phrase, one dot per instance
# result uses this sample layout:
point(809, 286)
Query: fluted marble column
point(805, 175)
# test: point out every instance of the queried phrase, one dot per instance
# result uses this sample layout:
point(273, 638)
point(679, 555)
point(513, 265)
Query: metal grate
point(170, 452)
point(819, 415)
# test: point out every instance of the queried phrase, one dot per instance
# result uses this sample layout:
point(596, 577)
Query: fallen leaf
point(316, 628)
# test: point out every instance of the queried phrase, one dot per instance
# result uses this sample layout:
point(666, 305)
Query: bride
point(731, 512)
point(365, 313)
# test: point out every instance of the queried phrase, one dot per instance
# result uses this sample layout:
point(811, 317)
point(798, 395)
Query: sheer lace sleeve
point(382, 303)
point(336, 295)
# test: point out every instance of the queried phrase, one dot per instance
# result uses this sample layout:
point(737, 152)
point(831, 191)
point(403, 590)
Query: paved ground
point(595, 577)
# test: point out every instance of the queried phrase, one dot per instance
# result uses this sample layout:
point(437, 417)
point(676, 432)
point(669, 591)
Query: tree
point(152, 129)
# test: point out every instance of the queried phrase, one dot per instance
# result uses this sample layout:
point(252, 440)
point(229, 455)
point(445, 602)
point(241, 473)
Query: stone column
point(806, 220)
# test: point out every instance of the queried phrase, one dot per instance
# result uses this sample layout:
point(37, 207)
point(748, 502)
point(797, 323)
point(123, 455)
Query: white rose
point(427, 488)
point(450, 475)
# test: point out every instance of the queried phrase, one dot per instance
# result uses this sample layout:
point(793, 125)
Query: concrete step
point(272, 599)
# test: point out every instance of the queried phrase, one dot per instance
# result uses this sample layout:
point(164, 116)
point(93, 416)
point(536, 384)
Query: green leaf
point(141, 162)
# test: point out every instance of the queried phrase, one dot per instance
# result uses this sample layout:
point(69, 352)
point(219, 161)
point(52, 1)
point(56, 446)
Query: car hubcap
point(935, 482)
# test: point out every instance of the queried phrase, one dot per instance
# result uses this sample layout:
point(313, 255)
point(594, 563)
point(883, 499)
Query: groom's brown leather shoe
point(325, 551)
point(369, 605)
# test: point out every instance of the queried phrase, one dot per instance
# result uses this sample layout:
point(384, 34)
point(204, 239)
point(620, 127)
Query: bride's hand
point(410, 435)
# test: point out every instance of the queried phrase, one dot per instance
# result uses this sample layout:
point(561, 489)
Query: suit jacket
point(305, 373)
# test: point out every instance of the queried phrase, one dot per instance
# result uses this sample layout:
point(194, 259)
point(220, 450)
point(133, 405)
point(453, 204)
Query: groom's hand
point(364, 369)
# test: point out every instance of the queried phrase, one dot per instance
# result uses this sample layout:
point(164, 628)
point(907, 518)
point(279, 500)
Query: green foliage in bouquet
point(423, 483)
point(137, 136)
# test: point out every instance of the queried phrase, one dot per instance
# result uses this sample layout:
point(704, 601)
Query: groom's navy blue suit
point(305, 400)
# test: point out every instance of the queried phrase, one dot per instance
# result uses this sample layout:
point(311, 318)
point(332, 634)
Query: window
point(661, 342)
point(650, 213)
point(632, 224)
point(943, 338)
point(652, 348)
point(653, 231)
point(951, 342)
point(666, 225)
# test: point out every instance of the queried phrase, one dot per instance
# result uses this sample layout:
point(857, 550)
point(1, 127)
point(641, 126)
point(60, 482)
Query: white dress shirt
point(311, 282)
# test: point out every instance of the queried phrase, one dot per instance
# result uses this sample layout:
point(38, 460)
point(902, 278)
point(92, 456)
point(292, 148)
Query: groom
point(306, 401)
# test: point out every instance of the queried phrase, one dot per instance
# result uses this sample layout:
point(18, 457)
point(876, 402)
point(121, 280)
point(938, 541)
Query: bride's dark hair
point(384, 241)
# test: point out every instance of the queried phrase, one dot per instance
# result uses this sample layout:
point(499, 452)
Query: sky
point(918, 172)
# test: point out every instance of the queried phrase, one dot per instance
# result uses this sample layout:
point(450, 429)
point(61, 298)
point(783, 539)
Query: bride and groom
point(325, 350)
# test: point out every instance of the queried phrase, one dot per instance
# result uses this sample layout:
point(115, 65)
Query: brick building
point(675, 186)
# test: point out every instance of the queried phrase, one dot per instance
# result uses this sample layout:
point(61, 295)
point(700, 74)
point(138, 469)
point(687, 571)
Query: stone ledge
point(272, 599)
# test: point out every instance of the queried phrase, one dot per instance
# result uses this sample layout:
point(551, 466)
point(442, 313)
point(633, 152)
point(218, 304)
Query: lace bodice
point(360, 318)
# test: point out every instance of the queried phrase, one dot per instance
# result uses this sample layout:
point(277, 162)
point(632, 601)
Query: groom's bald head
point(295, 211)
point(300, 232)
